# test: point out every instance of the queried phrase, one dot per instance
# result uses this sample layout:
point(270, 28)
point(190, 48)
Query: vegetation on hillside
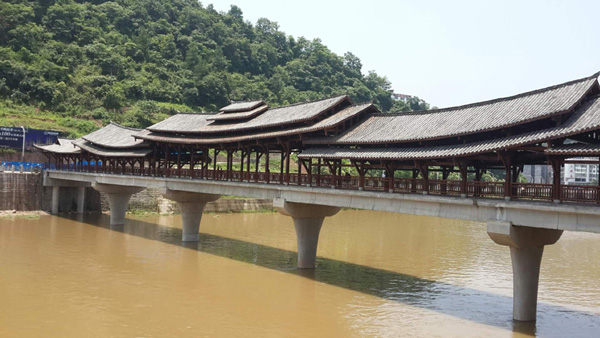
point(74, 65)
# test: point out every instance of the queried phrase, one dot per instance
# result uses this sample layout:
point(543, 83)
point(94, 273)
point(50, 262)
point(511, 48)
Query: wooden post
point(192, 162)
point(267, 167)
point(229, 164)
point(424, 170)
point(361, 174)
point(392, 171)
point(287, 164)
point(299, 171)
point(249, 151)
point(462, 167)
point(556, 186)
point(506, 160)
point(319, 172)
point(167, 170)
point(242, 155)
point(216, 153)
point(281, 165)
point(179, 160)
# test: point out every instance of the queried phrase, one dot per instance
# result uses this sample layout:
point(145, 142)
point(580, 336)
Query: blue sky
point(449, 52)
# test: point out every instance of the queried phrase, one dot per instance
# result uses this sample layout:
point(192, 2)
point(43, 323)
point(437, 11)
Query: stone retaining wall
point(20, 191)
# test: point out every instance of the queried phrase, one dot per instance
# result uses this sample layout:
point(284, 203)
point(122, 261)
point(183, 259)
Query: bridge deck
point(533, 213)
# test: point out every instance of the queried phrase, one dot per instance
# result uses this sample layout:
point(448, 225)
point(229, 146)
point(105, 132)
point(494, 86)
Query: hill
point(75, 65)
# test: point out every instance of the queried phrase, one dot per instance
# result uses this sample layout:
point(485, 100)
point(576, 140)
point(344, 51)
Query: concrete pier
point(55, 198)
point(191, 205)
point(526, 249)
point(80, 200)
point(308, 219)
point(118, 197)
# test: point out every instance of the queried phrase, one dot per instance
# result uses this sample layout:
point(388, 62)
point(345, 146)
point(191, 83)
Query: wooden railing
point(529, 191)
point(580, 193)
point(534, 191)
point(485, 189)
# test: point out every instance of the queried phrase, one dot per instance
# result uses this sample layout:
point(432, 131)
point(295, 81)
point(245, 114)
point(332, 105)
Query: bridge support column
point(191, 205)
point(308, 219)
point(80, 199)
point(118, 197)
point(526, 249)
point(55, 198)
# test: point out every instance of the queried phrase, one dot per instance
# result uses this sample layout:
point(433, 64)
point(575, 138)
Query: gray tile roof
point(241, 106)
point(585, 119)
point(329, 122)
point(181, 123)
point(574, 149)
point(111, 152)
point(196, 123)
point(62, 146)
point(469, 119)
point(114, 136)
point(238, 115)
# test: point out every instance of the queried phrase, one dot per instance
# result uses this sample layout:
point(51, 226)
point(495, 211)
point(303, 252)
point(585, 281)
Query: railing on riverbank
point(516, 191)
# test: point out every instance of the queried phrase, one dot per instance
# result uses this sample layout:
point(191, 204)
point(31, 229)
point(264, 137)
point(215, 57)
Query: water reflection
point(468, 304)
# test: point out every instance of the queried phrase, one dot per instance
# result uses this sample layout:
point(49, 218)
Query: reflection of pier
point(351, 156)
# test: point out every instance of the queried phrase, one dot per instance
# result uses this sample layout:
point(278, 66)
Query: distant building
point(401, 97)
point(12, 137)
point(538, 173)
point(581, 173)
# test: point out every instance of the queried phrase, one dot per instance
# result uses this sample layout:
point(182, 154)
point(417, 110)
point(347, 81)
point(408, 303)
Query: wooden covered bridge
point(334, 143)
point(425, 163)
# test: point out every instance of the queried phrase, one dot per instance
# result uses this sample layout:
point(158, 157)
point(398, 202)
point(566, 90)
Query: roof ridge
point(496, 100)
point(244, 101)
point(195, 113)
point(124, 127)
point(313, 101)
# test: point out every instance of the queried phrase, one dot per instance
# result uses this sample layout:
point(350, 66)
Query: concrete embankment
point(25, 192)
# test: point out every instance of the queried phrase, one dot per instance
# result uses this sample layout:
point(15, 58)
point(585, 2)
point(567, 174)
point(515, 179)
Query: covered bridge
point(335, 143)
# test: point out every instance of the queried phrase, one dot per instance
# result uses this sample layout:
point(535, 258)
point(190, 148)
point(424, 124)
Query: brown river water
point(378, 275)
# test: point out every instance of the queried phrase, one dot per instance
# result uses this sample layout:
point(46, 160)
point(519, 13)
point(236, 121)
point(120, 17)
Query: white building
point(581, 173)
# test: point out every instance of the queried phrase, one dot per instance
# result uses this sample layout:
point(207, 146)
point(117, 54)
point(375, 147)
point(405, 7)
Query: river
point(378, 275)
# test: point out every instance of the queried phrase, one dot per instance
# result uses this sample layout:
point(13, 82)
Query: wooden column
point(287, 165)
point(556, 186)
point(300, 171)
point(179, 160)
point(506, 160)
point(229, 165)
point(215, 154)
point(389, 185)
point(242, 156)
point(462, 167)
point(424, 170)
point(319, 172)
point(192, 162)
point(267, 167)
point(282, 157)
point(445, 174)
point(167, 160)
point(361, 174)
point(249, 151)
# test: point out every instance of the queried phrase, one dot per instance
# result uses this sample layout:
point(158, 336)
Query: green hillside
point(75, 65)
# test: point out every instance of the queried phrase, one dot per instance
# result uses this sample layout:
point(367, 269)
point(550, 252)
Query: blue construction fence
point(28, 166)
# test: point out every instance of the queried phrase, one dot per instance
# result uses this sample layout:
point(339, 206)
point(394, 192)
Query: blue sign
point(12, 137)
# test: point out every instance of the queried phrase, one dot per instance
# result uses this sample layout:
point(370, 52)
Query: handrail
point(529, 191)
